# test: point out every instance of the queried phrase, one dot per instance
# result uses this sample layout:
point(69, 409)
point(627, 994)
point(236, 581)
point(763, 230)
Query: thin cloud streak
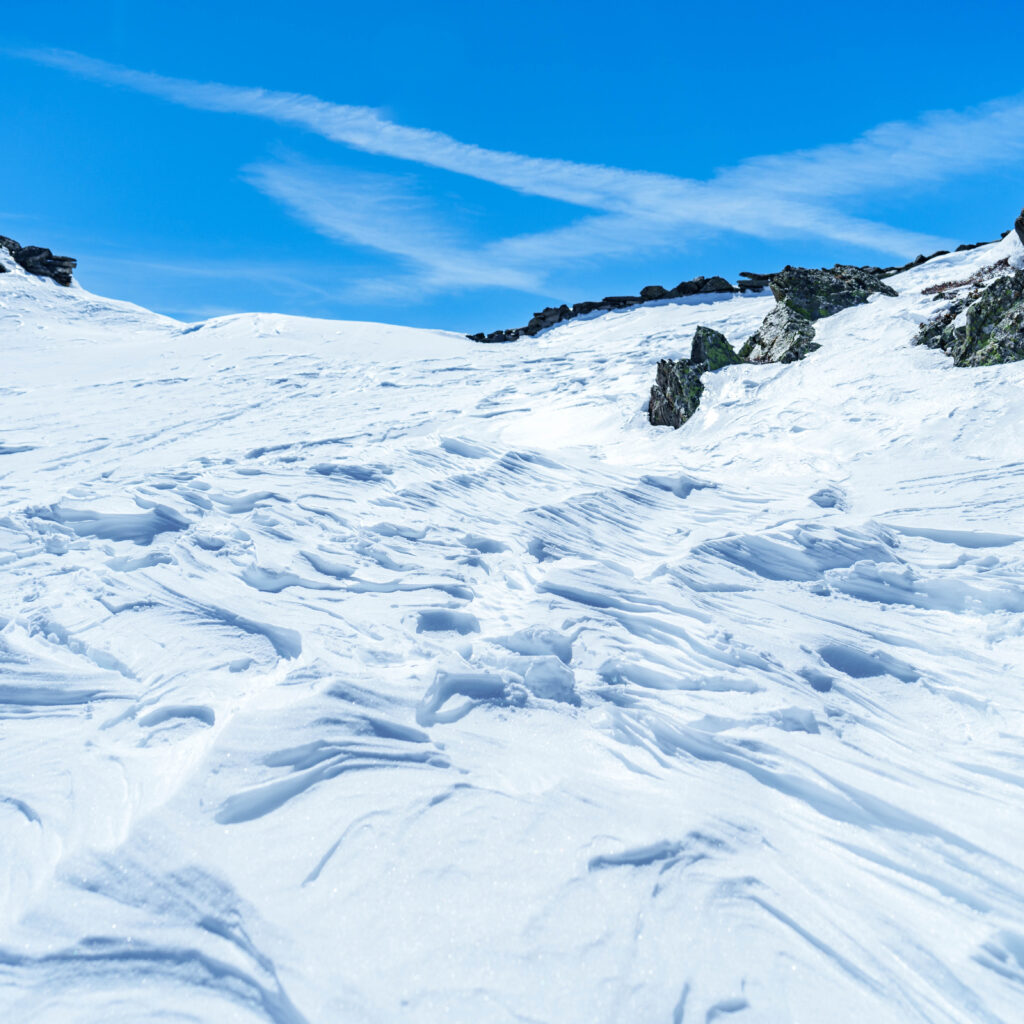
point(765, 197)
point(378, 212)
point(715, 204)
point(374, 211)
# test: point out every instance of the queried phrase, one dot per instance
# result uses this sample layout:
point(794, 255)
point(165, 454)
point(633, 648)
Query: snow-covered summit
point(361, 673)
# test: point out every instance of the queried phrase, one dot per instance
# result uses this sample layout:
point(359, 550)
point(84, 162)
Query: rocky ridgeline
point(984, 322)
point(786, 334)
point(803, 296)
point(34, 259)
point(749, 281)
point(652, 293)
point(982, 325)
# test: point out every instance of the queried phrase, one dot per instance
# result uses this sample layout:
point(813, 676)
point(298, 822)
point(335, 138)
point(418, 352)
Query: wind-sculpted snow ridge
point(356, 673)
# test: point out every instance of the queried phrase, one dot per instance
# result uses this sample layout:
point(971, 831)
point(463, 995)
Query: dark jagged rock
point(701, 286)
point(787, 334)
point(652, 293)
point(548, 318)
point(1018, 225)
point(783, 337)
point(983, 327)
point(715, 285)
point(818, 293)
point(750, 282)
point(712, 349)
point(677, 388)
point(41, 262)
point(676, 393)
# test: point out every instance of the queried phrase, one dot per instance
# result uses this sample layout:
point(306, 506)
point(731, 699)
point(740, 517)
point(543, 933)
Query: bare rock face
point(677, 388)
point(818, 293)
point(1019, 226)
point(982, 327)
point(34, 259)
point(652, 293)
point(783, 337)
point(802, 296)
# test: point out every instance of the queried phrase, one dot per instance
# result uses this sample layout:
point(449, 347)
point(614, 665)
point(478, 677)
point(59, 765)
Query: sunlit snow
point(354, 673)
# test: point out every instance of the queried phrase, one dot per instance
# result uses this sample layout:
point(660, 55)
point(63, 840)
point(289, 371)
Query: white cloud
point(383, 213)
point(767, 197)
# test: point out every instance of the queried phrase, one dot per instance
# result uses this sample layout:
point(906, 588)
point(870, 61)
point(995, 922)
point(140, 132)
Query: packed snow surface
point(354, 673)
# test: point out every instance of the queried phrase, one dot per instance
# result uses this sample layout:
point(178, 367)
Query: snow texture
point(354, 673)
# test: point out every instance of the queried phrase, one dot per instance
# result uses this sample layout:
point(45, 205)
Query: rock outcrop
point(1019, 226)
point(983, 326)
point(855, 283)
point(803, 296)
point(652, 293)
point(39, 261)
point(783, 337)
point(677, 389)
point(818, 293)
point(750, 282)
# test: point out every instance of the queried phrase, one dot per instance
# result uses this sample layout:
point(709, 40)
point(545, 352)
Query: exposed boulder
point(1019, 226)
point(548, 318)
point(41, 262)
point(676, 393)
point(712, 349)
point(818, 293)
point(701, 286)
point(982, 327)
point(783, 337)
point(677, 389)
point(619, 301)
point(652, 293)
point(751, 282)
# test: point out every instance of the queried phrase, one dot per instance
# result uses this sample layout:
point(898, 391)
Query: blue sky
point(460, 165)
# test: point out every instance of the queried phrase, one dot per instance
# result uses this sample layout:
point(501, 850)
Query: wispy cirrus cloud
point(792, 194)
point(386, 213)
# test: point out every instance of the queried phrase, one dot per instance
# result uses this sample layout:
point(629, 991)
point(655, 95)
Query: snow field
point(358, 673)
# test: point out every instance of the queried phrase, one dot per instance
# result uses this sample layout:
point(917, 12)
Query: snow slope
point(353, 673)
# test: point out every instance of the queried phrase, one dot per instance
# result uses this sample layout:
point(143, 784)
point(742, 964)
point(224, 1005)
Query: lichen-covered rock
point(676, 393)
point(39, 261)
point(677, 389)
point(818, 293)
point(981, 328)
point(783, 337)
point(712, 349)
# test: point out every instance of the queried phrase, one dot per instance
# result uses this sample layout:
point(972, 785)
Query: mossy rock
point(983, 328)
point(677, 389)
point(712, 347)
point(783, 337)
point(676, 394)
point(819, 293)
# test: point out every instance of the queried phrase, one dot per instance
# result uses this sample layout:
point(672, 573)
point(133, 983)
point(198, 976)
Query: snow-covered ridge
point(361, 673)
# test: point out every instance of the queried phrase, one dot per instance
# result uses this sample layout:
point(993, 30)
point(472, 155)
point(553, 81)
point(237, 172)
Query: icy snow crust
point(353, 673)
